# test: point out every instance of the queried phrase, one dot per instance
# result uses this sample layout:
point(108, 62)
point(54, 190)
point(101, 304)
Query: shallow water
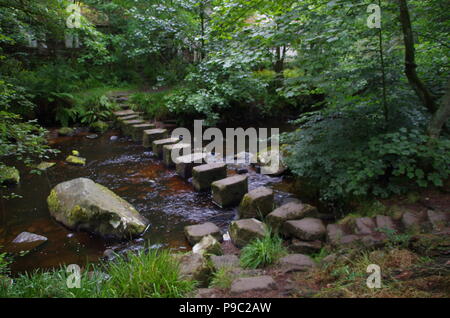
point(166, 200)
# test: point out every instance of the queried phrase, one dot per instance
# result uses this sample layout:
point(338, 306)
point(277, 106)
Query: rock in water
point(83, 204)
point(26, 241)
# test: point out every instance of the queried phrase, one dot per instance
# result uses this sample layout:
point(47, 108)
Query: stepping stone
point(203, 176)
point(173, 152)
point(137, 131)
point(128, 124)
point(256, 204)
point(304, 247)
point(439, 220)
point(224, 261)
point(335, 232)
point(208, 246)
point(26, 241)
point(120, 120)
point(290, 211)
point(307, 229)
point(184, 164)
point(194, 267)
point(385, 222)
point(251, 284)
point(244, 231)
point(365, 226)
point(124, 113)
point(229, 191)
point(195, 233)
point(157, 145)
point(153, 134)
point(296, 262)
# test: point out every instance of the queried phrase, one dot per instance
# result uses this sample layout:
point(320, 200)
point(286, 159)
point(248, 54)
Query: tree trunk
point(425, 96)
point(441, 116)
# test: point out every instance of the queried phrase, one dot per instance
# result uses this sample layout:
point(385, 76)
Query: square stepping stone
point(172, 152)
point(124, 112)
point(157, 145)
point(229, 191)
point(251, 284)
point(195, 233)
point(290, 211)
point(307, 229)
point(137, 131)
point(184, 164)
point(153, 134)
point(256, 204)
point(204, 175)
point(127, 125)
point(244, 231)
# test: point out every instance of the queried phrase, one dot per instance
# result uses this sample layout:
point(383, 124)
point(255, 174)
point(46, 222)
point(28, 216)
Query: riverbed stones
point(244, 231)
point(307, 229)
point(296, 262)
point(229, 191)
point(204, 175)
point(256, 203)
point(82, 204)
point(26, 241)
point(137, 131)
point(304, 247)
point(439, 220)
point(173, 152)
point(195, 233)
point(194, 267)
point(364, 226)
point(76, 161)
point(9, 175)
point(335, 232)
point(290, 211)
point(208, 246)
point(153, 134)
point(184, 164)
point(252, 284)
point(224, 261)
point(385, 222)
point(157, 145)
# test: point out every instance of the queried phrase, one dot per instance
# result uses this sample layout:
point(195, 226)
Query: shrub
point(262, 252)
point(153, 104)
point(223, 278)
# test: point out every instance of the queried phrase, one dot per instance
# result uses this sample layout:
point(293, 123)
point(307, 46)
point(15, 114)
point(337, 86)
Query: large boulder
point(244, 231)
point(257, 203)
point(307, 229)
point(82, 204)
point(289, 211)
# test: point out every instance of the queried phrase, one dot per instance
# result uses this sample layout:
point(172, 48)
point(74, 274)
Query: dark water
point(166, 200)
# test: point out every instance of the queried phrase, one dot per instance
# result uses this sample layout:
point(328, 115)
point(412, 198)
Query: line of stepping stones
point(295, 221)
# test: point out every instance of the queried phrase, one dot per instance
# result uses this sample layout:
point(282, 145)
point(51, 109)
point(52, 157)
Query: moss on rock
point(9, 175)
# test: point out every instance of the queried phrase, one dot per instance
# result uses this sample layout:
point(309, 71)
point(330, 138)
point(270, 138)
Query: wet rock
point(149, 136)
point(229, 191)
point(296, 262)
point(290, 211)
point(185, 164)
point(335, 232)
point(194, 267)
point(224, 261)
point(439, 220)
point(75, 160)
point(9, 175)
point(256, 203)
point(304, 247)
point(244, 231)
point(208, 246)
point(172, 152)
point(157, 145)
point(127, 126)
point(251, 284)
point(195, 233)
point(307, 229)
point(114, 138)
point(66, 131)
point(413, 220)
point(364, 226)
point(120, 120)
point(137, 131)
point(100, 127)
point(92, 136)
point(82, 204)
point(385, 222)
point(241, 170)
point(26, 241)
point(109, 254)
point(45, 165)
point(203, 176)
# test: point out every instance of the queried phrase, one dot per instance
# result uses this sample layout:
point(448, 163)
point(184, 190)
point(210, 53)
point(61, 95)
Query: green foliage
point(395, 239)
point(152, 274)
point(262, 252)
point(223, 278)
point(153, 104)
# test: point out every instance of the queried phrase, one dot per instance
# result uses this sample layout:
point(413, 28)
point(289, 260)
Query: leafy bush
point(153, 104)
point(262, 252)
point(348, 154)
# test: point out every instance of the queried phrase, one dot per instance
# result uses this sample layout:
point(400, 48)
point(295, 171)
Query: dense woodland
point(370, 106)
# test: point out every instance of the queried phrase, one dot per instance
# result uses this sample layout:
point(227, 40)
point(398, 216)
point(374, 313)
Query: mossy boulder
point(44, 165)
point(66, 131)
point(99, 127)
point(75, 160)
point(82, 204)
point(9, 175)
